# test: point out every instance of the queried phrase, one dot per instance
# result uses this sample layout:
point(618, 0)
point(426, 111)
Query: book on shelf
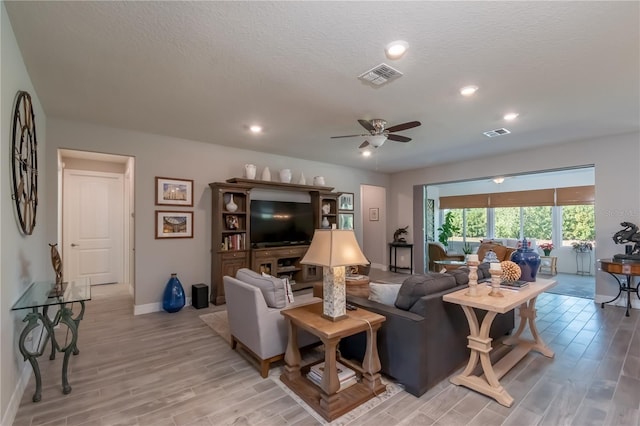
point(343, 384)
point(344, 372)
point(516, 285)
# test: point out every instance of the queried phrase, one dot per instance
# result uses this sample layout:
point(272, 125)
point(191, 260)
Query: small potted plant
point(582, 246)
point(546, 248)
point(466, 248)
point(447, 229)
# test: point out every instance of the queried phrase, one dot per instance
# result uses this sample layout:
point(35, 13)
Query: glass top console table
point(37, 300)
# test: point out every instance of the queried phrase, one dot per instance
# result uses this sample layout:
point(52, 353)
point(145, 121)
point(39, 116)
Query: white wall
point(204, 163)
point(617, 179)
point(24, 259)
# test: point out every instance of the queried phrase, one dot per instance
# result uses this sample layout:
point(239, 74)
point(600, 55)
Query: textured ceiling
point(205, 71)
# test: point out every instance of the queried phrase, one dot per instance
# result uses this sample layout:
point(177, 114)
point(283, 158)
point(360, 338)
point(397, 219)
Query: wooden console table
point(480, 342)
point(628, 268)
point(325, 399)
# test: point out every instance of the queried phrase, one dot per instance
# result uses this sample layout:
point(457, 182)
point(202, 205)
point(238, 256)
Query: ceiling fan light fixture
point(376, 141)
point(498, 180)
point(468, 90)
point(396, 49)
point(366, 153)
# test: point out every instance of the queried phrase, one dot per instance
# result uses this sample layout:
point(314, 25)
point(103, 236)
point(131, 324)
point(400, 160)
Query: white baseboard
point(621, 301)
point(16, 396)
point(380, 266)
point(153, 307)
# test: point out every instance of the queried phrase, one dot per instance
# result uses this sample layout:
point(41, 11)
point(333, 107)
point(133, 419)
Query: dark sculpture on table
point(56, 262)
point(398, 235)
point(629, 234)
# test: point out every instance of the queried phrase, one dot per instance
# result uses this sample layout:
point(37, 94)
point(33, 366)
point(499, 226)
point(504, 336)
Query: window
point(536, 223)
point(578, 224)
point(475, 225)
point(507, 222)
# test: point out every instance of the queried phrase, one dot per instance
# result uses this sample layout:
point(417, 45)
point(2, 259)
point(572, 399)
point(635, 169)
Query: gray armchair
point(258, 329)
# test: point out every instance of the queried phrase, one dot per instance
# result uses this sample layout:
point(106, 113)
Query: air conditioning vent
point(496, 132)
point(380, 75)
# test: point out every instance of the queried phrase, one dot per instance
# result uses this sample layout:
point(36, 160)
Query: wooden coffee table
point(480, 342)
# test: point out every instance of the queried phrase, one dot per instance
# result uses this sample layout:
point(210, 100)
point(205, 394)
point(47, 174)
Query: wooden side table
point(548, 265)
point(325, 399)
point(488, 383)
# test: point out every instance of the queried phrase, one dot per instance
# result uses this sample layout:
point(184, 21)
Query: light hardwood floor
point(172, 369)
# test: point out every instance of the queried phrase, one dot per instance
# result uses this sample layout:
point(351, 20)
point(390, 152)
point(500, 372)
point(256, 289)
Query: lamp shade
point(377, 140)
point(334, 247)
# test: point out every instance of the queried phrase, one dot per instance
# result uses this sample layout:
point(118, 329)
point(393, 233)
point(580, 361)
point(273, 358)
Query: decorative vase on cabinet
point(528, 261)
point(173, 299)
point(231, 206)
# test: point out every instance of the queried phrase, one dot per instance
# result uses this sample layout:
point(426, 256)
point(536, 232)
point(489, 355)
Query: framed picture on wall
point(345, 221)
point(174, 192)
point(345, 201)
point(174, 224)
point(374, 214)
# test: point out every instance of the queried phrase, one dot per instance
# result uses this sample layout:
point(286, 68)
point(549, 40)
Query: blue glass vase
point(528, 260)
point(173, 299)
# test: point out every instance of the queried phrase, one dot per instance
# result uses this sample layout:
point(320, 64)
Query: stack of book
point(514, 285)
point(346, 376)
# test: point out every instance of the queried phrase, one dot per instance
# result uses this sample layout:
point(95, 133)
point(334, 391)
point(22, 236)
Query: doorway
point(95, 206)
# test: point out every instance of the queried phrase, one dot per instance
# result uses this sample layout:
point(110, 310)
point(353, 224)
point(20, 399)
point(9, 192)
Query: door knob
point(74, 245)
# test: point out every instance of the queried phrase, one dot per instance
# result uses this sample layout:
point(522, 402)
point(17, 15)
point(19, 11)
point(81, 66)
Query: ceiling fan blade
point(403, 126)
point(348, 136)
point(398, 138)
point(364, 144)
point(367, 125)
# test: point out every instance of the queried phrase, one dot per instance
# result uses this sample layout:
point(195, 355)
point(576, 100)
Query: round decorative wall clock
point(24, 150)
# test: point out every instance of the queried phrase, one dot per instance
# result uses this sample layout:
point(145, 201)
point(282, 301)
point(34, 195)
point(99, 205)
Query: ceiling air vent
point(496, 132)
point(380, 75)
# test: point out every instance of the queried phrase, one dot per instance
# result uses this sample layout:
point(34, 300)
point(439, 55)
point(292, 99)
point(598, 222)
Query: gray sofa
point(424, 339)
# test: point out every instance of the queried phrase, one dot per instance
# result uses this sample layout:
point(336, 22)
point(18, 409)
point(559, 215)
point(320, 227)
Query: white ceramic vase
point(302, 180)
point(325, 222)
point(231, 206)
point(250, 171)
point(266, 174)
point(318, 181)
point(285, 176)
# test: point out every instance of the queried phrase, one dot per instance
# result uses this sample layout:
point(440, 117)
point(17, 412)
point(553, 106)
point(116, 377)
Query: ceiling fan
point(378, 134)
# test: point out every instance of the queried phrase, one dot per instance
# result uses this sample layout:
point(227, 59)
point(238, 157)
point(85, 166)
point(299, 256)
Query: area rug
point(217, 321)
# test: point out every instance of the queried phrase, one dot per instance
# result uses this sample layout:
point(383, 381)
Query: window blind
point(465, 201)
point(536, 197)
point(576, 195)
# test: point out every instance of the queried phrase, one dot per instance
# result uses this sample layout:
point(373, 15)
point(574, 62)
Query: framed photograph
point(345, 221)
point(374, 214)
point(345, 202)
point(174, 224)
point(174, 192)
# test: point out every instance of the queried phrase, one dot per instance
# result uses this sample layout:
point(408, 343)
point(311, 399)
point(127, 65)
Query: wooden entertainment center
point(232, 247)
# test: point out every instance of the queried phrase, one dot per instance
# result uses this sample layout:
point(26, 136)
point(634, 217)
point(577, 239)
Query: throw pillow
point(272, 288)
point(383, 293)
point(288, 290)
point(416, 286)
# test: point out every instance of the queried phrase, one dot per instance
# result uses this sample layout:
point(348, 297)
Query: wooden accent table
point(325, 399)
point(629, 268)
point(354, 287)
point(480, 342)
point(548, 264)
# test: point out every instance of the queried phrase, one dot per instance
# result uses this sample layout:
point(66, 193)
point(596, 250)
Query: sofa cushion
point(416, 286)
point(384, 293)
point(273, 289)
point(461, 275)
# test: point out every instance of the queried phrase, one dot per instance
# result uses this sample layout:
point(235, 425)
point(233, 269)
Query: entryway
point(96, 216)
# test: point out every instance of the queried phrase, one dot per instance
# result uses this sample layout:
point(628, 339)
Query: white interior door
point(93, 227)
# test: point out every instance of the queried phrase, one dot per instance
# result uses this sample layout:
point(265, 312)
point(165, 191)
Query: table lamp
point(333, 249)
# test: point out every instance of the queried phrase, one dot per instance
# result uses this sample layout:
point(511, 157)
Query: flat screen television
point(275, 223)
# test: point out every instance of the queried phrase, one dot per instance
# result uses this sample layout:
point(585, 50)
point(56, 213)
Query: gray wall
point(204, 163)
point(617, 179)
point(24, 259)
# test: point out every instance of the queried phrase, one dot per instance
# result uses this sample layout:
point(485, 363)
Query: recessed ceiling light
point(396, 49)
point(255, 129)
point(366, 153)
point(511, 116)
point(468, 90)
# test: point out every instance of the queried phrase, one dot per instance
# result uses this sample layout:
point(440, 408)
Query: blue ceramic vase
point(528, 260)
point(173, 299)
